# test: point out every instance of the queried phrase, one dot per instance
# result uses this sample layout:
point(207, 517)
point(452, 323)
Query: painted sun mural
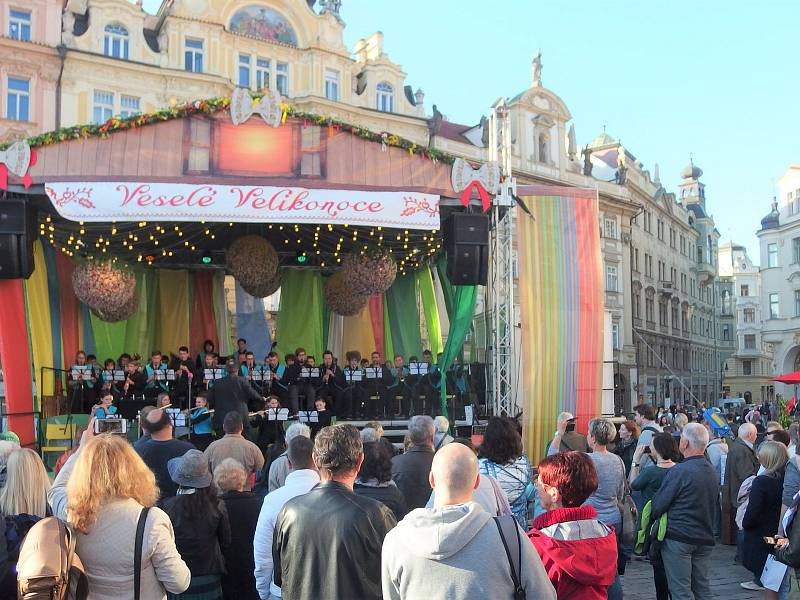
point(263, 23)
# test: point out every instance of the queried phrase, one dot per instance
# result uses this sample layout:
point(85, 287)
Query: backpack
point(48, 567)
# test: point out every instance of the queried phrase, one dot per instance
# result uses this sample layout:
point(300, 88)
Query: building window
point(744, 290)
point(750, 341)
point(615, 336)
point(103, 106)
point(774, 306)
point(18, 99)
point(385, 95)
point(636, 259)
point(772, 255)
point(796, 251)
point(332, 85)
point(726, 302)
point(282, 78)
point(675, 317)
point(244, 70)
point(672, 236)
point(19, 25)
point(193, 56)
point(660, 226)
point(262, 73)
point(610, 228)
point(797, 303)
point(726, 333)
point(683, 283)
point(129, 106)
point(637, 305)
point(662, 271)
point(747, 367)
point(649, 309)
point(115, 42)
point(611, 278)
point(749, 315)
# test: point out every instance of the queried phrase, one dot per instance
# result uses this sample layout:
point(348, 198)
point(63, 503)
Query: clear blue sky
point(713, 78)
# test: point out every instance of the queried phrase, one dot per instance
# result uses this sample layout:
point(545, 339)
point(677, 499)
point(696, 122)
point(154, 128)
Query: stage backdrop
point(561, 310)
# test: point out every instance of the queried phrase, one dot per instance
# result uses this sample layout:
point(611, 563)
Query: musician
point(399, 386)
point(184, 368)
point(104, 408)
point(431, 384)
point(248, 366)
point(278, 384)
point(332, 383)
point(268, 432)
point(83, 390)
point(299, 385)
point(233, 393)
point(154, 386)
point(107, 384)
point(208, 348)
point(323, 416)
point(241, 350)
point(202, 433)
point(210, 362)
point(353, 394)
point(415, 388)
point(378, 387)
point(135, 380)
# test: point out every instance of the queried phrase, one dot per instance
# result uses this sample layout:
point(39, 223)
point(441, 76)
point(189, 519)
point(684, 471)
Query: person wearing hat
point(202, 529)
point(566, 438)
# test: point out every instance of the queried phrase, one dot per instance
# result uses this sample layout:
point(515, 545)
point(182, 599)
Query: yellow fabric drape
point(41, 334)
point(358, 335)
point(173, 310)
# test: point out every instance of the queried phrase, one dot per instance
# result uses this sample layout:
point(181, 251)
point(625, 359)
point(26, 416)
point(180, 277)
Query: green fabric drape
point(109, 338)
point(139, 334)
point(448, 289)
point(430, 309)
point(387, 332)
point(460, 324)
point(300, 322)
point(401, 300)
point(326, 319)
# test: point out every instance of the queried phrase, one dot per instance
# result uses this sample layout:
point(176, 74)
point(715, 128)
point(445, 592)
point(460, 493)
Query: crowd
point(339, 513)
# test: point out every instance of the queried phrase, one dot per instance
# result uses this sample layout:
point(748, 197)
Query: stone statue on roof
point(537, 69)
point(587, 161)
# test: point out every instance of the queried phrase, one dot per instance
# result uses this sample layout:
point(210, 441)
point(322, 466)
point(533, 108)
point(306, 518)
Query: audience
point(279, 469)
point(234, 445)
point(302, 477)
point(453, 551)
point(242, 507)
point(442, 437)
point(740, 464)
point(664, 450)
point(160, 448)
point(328, 542)
point(375, 477)
point(202, 529)
point(627, 440)
point(566, 438)
point(644, 416)
point(101, 492)
point(6, 448)
point(410, 470)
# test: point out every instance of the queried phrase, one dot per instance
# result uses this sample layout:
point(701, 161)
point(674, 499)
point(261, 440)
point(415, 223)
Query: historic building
point(779, 241)
point(30, 67)
point(747, 371)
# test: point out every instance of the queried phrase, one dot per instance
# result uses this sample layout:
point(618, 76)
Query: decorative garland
point(214, 105)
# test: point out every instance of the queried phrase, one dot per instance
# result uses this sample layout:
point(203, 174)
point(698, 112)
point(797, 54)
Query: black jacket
point(790, 553)
point(410, 472)
point(388, 495)
point(761, 519)
point(327, 545)
point(233, 394)
point(200, 541)
point(243, 509)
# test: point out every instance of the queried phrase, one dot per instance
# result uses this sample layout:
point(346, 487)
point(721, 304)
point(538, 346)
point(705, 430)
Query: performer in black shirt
point(184, 368)
point(332, 384)
point(299, 385)
point(353, 394)
point(376, 409)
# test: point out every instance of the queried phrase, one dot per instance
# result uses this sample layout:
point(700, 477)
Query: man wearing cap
point(566, 438)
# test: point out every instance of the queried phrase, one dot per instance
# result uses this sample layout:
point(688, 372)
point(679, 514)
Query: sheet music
point(119, 376)
point(278, 414)
point(170, 374)
point(179, 418)
point(418, 368)
point(81, 373)
point(353, 375)
point(309, 373)
point(159, 375)
point(308, 416)
point(373, 372)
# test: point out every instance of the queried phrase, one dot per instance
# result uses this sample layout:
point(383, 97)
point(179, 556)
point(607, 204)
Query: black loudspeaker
point(466, 238)
point(17, 232)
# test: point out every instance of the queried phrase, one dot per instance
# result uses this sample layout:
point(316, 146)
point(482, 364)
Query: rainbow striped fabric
point(561, 310)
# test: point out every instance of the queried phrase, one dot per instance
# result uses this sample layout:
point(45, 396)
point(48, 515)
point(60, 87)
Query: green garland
point(214, 105)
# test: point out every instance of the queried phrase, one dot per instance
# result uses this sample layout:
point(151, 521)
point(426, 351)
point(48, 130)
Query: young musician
point(202, 433)
point(268, 432)
point(353, 394)
point(241, 349)
point(208, 348)
point(431, 384)
point(324, 417)
point(154, 386)
point(210, 363)
point(278, 384)
point(104, 408)
point(378, 387)
point(84, 389)
point(248, 366)
point(332, 383)
point(135, 380)
point(107, 384)
point(184, 368)
point(399, 386)
point(298, 384)
point(415, 388)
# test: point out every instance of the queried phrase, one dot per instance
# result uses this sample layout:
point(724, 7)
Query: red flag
point(790, 405)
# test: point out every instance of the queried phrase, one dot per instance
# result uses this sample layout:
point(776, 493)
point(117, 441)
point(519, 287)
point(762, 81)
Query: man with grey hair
point(410, 470)
point(279, 468)
point(454, 550)
point(368, 434)
point(328, 542)
point(442, 437)
point(740, 464)
point(688, 494)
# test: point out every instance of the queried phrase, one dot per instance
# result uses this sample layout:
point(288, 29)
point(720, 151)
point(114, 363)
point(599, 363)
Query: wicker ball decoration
point(253, 261)
point(341, 298)
point(263, 289)
point(372, 272)
point(110, 292)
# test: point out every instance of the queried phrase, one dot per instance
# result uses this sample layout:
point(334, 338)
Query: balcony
point(666, 288)
point(705, 272)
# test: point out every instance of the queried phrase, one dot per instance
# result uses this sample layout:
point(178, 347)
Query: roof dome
point(692, 171)
point(602, 140)
point(772, 220)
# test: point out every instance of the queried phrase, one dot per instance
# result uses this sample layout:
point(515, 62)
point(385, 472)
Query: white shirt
point(297, 483)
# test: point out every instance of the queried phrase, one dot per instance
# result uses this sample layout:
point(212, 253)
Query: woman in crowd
point(578, 551)
point(375, 478)
point(610, 492)
point(679, 422)
point(23, 501)
point(243, 507)
point(665, 420)
point(763, 507)
point(501, 456)
point(626, 444)
point(202, 530)
point(101, 491)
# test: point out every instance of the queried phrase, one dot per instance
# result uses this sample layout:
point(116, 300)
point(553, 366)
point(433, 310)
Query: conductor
point(233, 394)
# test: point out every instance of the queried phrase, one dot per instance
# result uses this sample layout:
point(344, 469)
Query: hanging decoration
point(371, 271)
point(243, 107)
point(108, 291)
point(253, 261)
point(17, 158)
point(340, 296)
point(485, 180)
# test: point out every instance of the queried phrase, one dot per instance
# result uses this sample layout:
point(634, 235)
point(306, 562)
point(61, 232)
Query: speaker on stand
point(18, 221)
point(466, 237)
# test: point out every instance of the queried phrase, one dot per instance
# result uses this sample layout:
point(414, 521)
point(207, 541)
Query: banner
point(130, 201)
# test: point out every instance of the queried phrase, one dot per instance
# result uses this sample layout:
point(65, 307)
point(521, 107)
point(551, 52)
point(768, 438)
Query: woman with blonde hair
point(101, 491)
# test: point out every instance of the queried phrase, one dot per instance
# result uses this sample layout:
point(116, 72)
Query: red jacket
point(581, 561)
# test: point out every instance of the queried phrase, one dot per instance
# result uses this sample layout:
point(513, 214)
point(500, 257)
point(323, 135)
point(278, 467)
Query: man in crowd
point(157, 451)
point(741, 464)
point(410, 470)
point(794, 438)
point(687, 496)
point(235, 446)
point(328, 542)
point(644, 415)
point(302, 477)
point(454, 551)
point(232, 393)
point(566, 438)
point(279, 469)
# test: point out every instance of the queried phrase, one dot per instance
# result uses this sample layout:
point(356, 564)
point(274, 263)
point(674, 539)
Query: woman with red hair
point(578, 552)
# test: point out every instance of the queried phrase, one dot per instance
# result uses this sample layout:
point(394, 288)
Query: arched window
point(385, 95)
point(726, 302)
point(115, 43)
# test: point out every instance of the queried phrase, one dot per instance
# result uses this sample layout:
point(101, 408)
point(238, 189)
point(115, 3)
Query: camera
point(570, 426)
point(111, 425)
point(646, 450)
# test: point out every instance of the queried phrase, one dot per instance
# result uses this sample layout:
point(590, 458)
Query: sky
point(669, 78)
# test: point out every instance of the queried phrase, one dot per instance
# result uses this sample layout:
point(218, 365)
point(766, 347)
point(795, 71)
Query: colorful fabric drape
point(203, 323)
point(387, 332)
point(53, 300)
point(221, 314)
point(15, 358)
point(460, 324)
point(173, 294)
point(109, 338)
point(251, 323)
point(376, 321)
point(39, 320)
point(357, 334)
point(430, 309)
point(562, 310)
point(401, 300)
point(139, 330)
point(300, 317)
point(69, 307)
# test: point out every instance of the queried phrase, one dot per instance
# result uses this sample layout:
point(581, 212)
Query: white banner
point(128, 201)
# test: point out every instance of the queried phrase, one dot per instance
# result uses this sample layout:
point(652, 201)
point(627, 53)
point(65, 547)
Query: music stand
point(277, 414)
point(308, 416)
point(373, 372)
point(353, 376)
point(418, 369)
